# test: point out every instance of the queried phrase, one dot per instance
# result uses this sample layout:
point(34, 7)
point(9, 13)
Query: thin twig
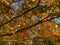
point(28, 27)
point(9, 34)
point(20, 15)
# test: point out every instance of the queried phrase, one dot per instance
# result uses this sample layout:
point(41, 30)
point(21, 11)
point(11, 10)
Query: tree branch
point(21, 14)
point(9, 34)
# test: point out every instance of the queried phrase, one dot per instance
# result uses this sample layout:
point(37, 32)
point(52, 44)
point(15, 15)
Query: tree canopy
point(30, 21)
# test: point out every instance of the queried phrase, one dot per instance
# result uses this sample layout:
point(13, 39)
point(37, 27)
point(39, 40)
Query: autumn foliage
point(30, 22)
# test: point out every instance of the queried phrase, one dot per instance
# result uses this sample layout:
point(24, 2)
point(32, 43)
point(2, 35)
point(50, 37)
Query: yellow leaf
point(5, 2)
point(11, 28)
point(33, 0)
point(23, 23)
point(13, 4)
point(56, 26)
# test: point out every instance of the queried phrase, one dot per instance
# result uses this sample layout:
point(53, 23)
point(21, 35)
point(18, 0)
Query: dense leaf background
point(29, 22)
